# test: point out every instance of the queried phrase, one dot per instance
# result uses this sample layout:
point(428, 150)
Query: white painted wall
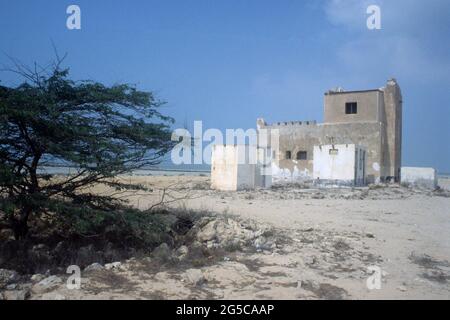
point(224, 167)
point(235, 167)
point(334, 167)
point(284, 175)
point(347, 165)
point(422, 177)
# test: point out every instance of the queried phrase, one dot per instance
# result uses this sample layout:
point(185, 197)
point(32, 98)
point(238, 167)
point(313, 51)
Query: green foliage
point(101, 130)
point(125, 225)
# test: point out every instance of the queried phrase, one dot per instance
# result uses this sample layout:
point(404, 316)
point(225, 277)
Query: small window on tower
point(351, 108)
point(301, 155)
point(288, 155)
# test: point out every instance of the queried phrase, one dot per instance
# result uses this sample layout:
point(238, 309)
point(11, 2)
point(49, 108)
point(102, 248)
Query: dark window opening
point(288, 155)
point(301, 155)
point(351, 108)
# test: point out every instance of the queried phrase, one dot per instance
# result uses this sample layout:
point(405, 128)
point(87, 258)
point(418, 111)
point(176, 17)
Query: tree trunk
point(20, 225)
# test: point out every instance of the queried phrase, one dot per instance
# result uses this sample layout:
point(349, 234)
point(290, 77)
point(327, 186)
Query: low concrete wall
point(224, 168)
point(419, 177)
point(235, 167)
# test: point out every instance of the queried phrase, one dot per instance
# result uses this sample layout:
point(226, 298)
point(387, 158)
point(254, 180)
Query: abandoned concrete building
point(369, 119)
point(358, 143)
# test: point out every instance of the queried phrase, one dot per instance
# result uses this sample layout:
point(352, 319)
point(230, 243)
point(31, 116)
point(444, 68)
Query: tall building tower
point(393, 127)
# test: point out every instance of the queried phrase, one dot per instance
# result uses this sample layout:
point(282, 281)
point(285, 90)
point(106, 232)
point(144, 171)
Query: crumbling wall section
point(296, 137)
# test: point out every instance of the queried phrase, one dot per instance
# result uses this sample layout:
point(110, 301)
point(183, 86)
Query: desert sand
point(327, 243)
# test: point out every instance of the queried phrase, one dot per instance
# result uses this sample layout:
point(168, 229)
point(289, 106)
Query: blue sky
point(228, 62)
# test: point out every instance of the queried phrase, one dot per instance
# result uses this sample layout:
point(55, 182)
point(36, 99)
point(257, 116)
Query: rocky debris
point(22, 294)
point(47, 284)
point(324, 290)
point(37, 277)
point(441, 193)
point(162, 252)
point(52, 296)
point(182, 252)
point(94, 267)
point(194, 277)
point(309, 191)
point(113, 265)
point(318, 195)
point(262, 243)
point(437, 275)
point(402, 288)
point(8, 277)
point(227, 233)
point(12, 286)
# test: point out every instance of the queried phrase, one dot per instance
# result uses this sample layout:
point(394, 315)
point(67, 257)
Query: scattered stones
point(16, 294)
point(402, 288)
point(37, 277)
point(259, 242)
point(162, 252)
point(325, 290)
point(12, 286)
point(182, 252)
point(47, 284)
point(194, 277)
point(310, 260)
point(52, 296)
point(437, 275)
point(113, 265)
point(94, 267)
point(227, 233)
point(7, 277)
point(208, 232)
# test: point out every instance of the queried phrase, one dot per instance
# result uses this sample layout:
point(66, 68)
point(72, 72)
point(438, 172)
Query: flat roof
point(354, 91)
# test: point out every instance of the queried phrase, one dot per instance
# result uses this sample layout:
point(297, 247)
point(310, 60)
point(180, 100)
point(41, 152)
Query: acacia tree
point(100, 130)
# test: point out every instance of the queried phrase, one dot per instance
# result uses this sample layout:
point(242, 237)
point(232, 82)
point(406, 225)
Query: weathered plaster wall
point(344, 164)
point(393, 103)
point(376, 127)
point(297, 137)
point(224, 167)
point(235, 167)
point(339, 166)
point(370, 106)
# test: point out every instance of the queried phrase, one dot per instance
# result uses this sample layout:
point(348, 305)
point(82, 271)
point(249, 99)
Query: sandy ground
point(329, 241)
